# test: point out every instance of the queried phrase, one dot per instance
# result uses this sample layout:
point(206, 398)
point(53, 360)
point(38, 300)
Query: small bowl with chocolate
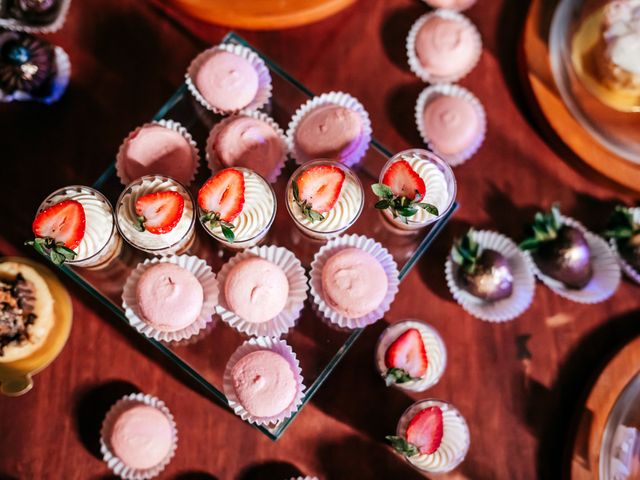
point(570, 260)
point(489, 276)
point(623, 232)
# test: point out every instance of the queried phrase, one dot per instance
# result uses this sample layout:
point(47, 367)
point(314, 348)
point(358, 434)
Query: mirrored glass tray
point(318, 347)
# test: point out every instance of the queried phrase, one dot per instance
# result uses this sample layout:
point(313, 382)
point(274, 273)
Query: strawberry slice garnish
point(221, 200)
point(317, 189)
point(59, 229)
point(424, 433)
point(401, 191)
point(406, 358)
point(159, 212)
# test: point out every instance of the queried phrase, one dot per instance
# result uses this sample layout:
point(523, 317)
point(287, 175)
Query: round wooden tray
point(585, 456)
point(261, 14)
point(556, 114)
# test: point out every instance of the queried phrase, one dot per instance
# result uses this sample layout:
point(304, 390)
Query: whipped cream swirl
point(128, 218)
point(257, 214)
point(436, 193)
point(455, 439)
point(434, 346)
point(98, 220)
point(341, 216)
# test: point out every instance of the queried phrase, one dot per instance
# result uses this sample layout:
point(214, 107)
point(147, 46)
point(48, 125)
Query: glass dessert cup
point(176, 241)
point(439, 180)
point(455, 440)
point(344, 213)
point(244, 220)
point(97, 208)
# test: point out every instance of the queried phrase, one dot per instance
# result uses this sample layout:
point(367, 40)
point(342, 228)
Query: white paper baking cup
point(434, 346)
point(343, 100)
point(370, 246)
point(414, 62)
point(200, 270)
point(171, 125)
point(447, 89)
point(60, 82)
point(253, 345)
point(524, 283)
point(606, 270)
point(264, 77)
point(216, 164)
point(19, 26)
point(298, 287)
point(626, 267)
point(114, 463)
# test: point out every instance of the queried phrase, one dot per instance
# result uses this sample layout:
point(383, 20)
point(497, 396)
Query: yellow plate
point(15, 377)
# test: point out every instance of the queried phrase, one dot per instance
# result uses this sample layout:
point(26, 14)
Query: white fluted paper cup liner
point(200, 270)
point(171, 125)
point(414, 62)
point(524, 282)
point(20, 26)
point(58, 87)
point(263, 94)
point(215, 163)
point(336, 98)
point(447, 89)
point(626, 267)
point(114, 463)
point(287, 318)
point(434, 346)
point(606, 270)
point(373, 248)
point(253, 345)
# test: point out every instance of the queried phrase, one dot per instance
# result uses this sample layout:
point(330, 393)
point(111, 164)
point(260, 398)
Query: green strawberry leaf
point(403, 447)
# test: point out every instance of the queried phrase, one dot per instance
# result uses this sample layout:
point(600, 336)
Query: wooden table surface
point(128, 56)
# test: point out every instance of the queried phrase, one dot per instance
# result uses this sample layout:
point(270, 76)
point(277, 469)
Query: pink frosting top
point(264, 383)
point(458, 5)
point(251, 143)
point(446, 47)
point(256, 289)
point(451, 123)
point(353, 282)
point(328, 131)
point(155, 149)
point(227, 81)
point(169, 297)
point(142, 437)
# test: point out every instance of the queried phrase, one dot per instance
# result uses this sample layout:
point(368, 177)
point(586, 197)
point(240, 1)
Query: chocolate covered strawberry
point(626, 233)
point(423, 435)
point(159, 212)
point(317, 189)
point(401, 192)
point(482, 272)
point(221, 200)
point(559, 250)
point(406, 358)
point(59, 229)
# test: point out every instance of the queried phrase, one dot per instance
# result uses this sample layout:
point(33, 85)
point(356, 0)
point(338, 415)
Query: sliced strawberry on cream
point(423, 435)
point(159, 212)
point(406, 358)
point(221, 200)
point(317, 190)
point(59, 229)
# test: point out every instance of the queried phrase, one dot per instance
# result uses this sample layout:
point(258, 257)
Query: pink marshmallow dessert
point(451, 121)
point(138, 437)
point(263, 381)
point(158, 148)
point(263, 291)
point(251, 140)
point(443, 46)
point(171, 298)
point(457, 5)
point(229, 78)
point(353, 281)
point(333, 126)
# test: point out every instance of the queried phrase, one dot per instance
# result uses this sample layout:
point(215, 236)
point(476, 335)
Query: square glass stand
point(318, 346)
